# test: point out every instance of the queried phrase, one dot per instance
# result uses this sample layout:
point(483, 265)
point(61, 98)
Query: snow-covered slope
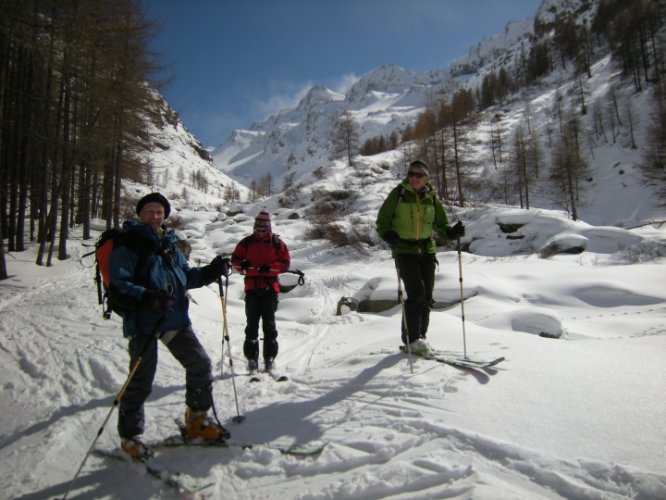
point(575, 411)
point(297, 141)
point(182, 168)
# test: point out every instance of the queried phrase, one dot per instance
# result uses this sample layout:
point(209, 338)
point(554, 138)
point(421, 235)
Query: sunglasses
point(418, 175)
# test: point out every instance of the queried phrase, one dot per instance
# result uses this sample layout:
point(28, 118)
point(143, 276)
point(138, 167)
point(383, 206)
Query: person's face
point(417, 178)
point(152, 214)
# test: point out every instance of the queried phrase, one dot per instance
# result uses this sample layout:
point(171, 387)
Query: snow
point(575, 411)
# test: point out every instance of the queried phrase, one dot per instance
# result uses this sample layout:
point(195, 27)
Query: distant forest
point(75, 93)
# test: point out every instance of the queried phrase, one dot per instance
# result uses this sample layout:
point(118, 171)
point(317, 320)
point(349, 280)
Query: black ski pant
point(260, 305)
point(417, 272)
point(189, 352)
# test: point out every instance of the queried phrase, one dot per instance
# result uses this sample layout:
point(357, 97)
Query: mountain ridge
point(385, 100)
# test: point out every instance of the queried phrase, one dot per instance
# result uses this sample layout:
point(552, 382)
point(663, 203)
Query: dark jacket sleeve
point(196, 276)
point(122, 270)
point(238, 256)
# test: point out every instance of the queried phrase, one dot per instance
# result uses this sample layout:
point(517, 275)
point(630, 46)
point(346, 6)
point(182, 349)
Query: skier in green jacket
point(406, 221)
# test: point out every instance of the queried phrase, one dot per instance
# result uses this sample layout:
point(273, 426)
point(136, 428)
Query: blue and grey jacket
point(162, 268)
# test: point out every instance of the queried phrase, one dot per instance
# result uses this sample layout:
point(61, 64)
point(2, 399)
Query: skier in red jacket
point(261, 256)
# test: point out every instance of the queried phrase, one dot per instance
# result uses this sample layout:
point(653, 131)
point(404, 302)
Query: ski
point(277, 377)
point(464, 362)
point(255, 376)
point(184, 483)
point(460, 362)
point(307, 449)
point(311, 448)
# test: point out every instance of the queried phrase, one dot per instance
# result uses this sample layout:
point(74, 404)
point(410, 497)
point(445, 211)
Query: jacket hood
point(427, 187)
point(138, 227)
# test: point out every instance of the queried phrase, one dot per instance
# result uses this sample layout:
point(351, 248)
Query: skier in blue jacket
point(151, 273)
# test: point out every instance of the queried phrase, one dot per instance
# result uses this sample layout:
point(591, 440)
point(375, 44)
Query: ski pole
point(462, 299)
point(116, 402)
point(224, 324)
point(223, 305)
point(404, 320)
point(225, 336)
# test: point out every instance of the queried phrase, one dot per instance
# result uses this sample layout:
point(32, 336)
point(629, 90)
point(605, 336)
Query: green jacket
point(414, 217)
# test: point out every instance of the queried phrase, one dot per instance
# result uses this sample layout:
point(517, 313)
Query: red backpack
point(107, 295)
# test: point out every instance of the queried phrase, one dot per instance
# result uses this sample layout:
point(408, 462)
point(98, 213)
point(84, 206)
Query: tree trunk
point(461, 196)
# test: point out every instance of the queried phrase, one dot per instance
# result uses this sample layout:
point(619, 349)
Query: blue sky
point(235, 62)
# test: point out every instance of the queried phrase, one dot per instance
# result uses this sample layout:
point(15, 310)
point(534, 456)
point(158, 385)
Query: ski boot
point(420, 348)
point(200, 427)
point(135, 448)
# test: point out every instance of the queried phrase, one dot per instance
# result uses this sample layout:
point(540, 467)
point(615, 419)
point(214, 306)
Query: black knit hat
point(420, 164)
point(154, 198)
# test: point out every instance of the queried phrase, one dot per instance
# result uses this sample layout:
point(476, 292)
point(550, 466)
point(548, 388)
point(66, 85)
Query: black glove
point(264, 269)
point(219, 266)
point(245, 265)
point(456, 231)
point(158, 301)
point(391, 237)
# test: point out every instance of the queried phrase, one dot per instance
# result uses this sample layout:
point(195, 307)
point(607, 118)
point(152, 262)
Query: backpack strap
point(143, 248)
point(401, 192)
point(137, 244)
point(275, 241)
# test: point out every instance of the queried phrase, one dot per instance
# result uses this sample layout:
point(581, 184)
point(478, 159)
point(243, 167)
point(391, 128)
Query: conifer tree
point(344, 137)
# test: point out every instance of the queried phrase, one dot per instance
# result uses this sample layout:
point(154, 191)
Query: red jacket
point(270, 251)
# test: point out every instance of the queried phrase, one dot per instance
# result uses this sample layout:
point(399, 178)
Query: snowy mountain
point(297, 141)
point(494, 50)
point(386, 100)
point(181, 163)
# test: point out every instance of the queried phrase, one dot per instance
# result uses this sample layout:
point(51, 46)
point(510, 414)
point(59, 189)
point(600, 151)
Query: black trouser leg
point(260, 305)
point(189, 352)
point(252, 315)
point(418, 276)
point(268, 307)
point(131, 419)
point(428, 265)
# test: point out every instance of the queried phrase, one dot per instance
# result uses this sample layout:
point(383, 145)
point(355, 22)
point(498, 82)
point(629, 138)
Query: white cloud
point(281, 95)
point(345, 83)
